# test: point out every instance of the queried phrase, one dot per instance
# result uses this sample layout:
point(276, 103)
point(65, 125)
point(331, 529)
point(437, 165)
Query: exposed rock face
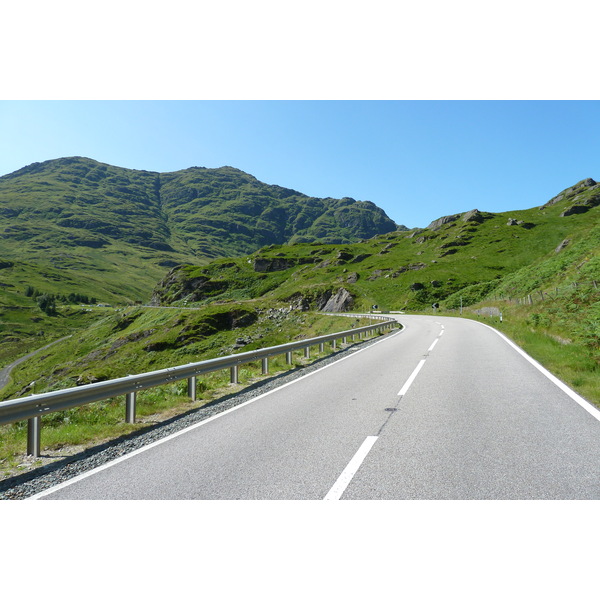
point(442, 221)
point(415, 287)
point(299, 302)
point(473, 215)
point(512, 222)
point(341, 301)
point(195, 288)
point(581, 205)
point(412, 267)
point(268, 265)
point(562, 245)
point(577, 188)
point(377, 273)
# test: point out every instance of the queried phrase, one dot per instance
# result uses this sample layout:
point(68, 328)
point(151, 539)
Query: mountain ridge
point(90, 218)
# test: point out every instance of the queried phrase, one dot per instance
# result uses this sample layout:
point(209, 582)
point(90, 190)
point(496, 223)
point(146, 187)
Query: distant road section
point(6, 371)
point(444, 409)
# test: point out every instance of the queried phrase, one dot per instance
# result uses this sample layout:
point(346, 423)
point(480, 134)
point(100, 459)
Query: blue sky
point(418, 160)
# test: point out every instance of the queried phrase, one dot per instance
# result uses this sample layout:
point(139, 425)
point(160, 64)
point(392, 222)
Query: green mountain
point(74, 225)
point(473, 255)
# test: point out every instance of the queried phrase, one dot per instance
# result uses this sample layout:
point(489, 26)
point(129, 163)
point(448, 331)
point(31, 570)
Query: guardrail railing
point(32, 408)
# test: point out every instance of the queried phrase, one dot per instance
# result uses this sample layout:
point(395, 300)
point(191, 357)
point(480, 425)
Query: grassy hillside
point(471, 255)
point(137, 340)
point(74, 224)
point(540, 267)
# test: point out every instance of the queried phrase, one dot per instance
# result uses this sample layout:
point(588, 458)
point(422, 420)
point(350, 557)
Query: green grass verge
point(72, 430)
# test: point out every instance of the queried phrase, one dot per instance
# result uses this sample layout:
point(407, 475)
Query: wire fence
point(544, 295)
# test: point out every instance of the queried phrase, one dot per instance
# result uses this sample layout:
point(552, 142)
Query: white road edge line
point(566, 389)
point(339, 487)
point(111, 463)
point(410, 380)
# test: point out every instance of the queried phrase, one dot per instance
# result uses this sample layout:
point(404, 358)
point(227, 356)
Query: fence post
point(191, 387)
point(34, 432)
point(130, 407)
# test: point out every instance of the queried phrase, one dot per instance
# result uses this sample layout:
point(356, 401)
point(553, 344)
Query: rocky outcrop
point(269, 265)
point(583, 204)
point(473, 216)
point(570, 192)
point(434, 225)
point(341, 301)
point(562, 245)
point(411, 267)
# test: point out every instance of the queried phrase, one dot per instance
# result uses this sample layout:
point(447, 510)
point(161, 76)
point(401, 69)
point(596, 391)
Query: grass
point(98, 422)
point(562, 334)
point(77, 225)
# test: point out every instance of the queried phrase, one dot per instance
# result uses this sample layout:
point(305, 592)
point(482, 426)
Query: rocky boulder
point(341, 301)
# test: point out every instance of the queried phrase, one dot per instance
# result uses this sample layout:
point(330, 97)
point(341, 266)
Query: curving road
point(6, 371)
point(444, 409)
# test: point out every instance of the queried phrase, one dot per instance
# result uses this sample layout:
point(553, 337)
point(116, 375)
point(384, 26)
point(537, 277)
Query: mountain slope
point(116, 231)
point(409, 270)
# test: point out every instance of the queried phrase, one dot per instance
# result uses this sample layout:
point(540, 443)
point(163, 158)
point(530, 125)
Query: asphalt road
point(444, 409)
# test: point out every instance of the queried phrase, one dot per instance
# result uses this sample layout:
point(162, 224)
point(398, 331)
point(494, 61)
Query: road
point(6, 371)
point(444, 409)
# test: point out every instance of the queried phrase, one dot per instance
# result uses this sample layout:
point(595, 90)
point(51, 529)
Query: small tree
point(47, 304)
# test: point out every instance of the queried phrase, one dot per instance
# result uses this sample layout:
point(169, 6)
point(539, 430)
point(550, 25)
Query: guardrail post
point(234, 374)
point(333, 344)
point(34, 431)
point(288, 358)
point(265, 365)
point(307, 352)
point(345, 340)
point(191, 387)
point(130, 407)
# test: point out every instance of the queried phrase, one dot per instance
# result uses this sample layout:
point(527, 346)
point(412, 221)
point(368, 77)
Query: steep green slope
point(114, 232)
point(237, 214)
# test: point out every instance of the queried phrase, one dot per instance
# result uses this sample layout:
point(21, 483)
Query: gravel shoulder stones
point(28, 484)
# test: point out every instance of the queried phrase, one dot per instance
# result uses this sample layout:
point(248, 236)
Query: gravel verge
point(28, 484)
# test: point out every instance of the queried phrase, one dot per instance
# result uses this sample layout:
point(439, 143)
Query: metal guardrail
point(32, 408)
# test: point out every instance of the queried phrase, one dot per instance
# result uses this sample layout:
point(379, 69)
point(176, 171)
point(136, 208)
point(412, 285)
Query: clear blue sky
point(418, 160)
